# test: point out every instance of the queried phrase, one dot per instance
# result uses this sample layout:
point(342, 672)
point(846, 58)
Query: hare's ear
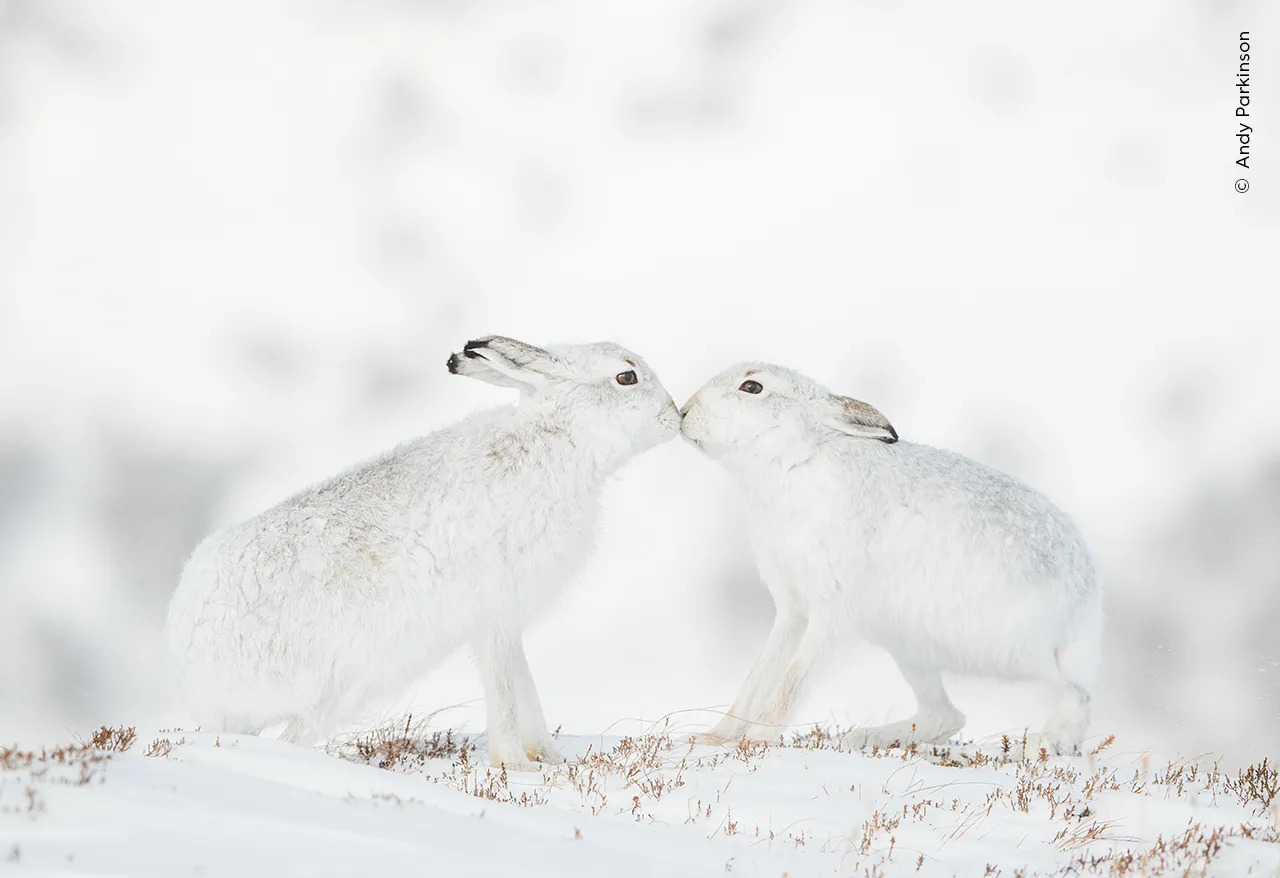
point(503, 361)
point(856, 418)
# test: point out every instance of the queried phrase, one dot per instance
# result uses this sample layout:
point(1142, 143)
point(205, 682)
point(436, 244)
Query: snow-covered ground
point(410, 800)
point(238, 240)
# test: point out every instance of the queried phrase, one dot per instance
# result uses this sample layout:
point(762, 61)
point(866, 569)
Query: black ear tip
point(452, 363)
point(473, 344)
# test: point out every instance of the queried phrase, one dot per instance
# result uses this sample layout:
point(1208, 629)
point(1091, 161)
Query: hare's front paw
point(1026, 747)
point(544, 752)
point(1042, 745)
point(520, 766)
point(726, 733)
point(511, 757)
point(899, 734)
point(935, 727)
point(716, 739)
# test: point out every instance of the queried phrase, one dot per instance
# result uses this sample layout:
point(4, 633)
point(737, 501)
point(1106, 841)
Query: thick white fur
point(947, 564)
point(354, 588)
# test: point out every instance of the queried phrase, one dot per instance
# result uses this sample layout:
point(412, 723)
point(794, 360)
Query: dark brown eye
point(628, 377)
point(751, 387)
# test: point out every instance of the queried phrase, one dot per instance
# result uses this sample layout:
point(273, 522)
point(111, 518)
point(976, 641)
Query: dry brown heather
point(638, 772)
point(654, 765)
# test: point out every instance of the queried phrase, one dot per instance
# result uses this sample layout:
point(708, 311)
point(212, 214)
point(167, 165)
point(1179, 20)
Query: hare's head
point(600, 390)
point(761, 411)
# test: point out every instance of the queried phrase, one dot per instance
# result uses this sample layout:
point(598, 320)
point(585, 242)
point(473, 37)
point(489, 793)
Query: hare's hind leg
point(338, 702)
point(1077, 669)
point(1073, 677)
point(936, 719)
point(314, 727)
point(1070, 717)
point(298, 731)
point(308, 731)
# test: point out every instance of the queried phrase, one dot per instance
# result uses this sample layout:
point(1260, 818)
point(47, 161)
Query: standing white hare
point(947, 564)
point(354, 588)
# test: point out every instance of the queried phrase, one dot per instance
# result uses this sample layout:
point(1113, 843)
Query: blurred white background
point(238, 241)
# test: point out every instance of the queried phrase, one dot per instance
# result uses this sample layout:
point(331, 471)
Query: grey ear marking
point(506, 362)
point(857, 418)
point(517, 353)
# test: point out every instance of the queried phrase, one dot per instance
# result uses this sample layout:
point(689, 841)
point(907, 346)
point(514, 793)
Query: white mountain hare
point(354, 588)
point(947, 564)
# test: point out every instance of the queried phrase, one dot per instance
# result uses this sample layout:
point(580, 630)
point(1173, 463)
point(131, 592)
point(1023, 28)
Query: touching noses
point(670, 417)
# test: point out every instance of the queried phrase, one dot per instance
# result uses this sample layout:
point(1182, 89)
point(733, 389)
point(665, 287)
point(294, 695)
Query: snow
point(238, 240)
point(194, 803)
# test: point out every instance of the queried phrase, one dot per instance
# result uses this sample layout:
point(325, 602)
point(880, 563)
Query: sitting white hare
point(354, 588)
point(947, 564)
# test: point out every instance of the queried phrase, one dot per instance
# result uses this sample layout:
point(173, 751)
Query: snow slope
point(192, 803)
